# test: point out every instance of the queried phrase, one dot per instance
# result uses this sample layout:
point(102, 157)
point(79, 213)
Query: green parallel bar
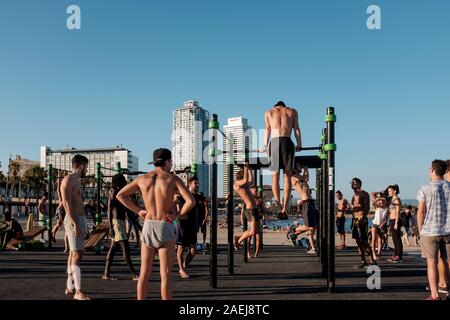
point(330, 147)
point(194, 168)
point(212, 152)
point(213, 124)
point(330, 118)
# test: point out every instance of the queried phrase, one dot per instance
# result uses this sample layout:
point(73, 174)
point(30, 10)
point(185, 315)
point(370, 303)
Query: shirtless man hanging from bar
point(280, 121)
point(158, 234)
point(241, 187)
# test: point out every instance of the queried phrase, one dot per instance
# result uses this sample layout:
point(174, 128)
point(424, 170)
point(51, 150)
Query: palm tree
point(2, 180)
point(36, 179)
point(2, 184)
point(13, 177)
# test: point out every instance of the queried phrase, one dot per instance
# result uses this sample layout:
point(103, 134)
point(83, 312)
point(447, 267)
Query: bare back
point(158, 189)
point(282, 121)
point(302, 188)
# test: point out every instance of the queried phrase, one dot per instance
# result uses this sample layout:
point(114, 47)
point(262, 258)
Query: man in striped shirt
point(434, 223)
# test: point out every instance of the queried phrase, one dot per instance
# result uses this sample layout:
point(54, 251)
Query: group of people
point(167, 200)
point(429, 224)
point(388, 217)
point(173, 213)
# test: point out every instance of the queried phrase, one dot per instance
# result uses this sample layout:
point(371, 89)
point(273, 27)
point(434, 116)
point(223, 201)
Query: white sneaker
point(312, 251)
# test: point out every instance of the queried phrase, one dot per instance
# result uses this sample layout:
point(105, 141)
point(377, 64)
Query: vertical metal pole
point(324, 213)
point(230, 209)
point(98, 216)
point(254, 183)
point(330, 148)
point(261, 207)
point(50, 204)
point(245, 243)
point(8, 204)
point(319, 207)
point(214, 125)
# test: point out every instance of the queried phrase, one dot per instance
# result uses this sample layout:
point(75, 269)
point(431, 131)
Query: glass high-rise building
point(242, 135)
point(190, 122)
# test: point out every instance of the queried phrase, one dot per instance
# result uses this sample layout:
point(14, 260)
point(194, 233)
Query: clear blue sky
point(118, 79)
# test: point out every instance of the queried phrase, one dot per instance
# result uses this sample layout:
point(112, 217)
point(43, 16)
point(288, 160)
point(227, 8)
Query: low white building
point(107, 157)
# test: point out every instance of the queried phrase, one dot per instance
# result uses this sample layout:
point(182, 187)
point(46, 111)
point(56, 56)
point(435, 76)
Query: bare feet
point(183, 274)
point(81, 296)
point(236, 243)
point(105, 277)
point(69, 292)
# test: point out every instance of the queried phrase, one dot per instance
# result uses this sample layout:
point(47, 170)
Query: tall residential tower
point(190, 122)
point(241, 132)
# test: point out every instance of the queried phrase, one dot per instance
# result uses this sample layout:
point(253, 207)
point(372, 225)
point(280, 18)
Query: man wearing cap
point(280, 122)
point(158, 234)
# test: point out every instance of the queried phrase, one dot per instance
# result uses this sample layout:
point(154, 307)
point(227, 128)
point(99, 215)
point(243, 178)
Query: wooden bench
point(97, 236)
point(27, 236)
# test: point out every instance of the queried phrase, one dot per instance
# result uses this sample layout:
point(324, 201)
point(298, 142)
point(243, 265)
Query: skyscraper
point(241, 132)
point(190, 123)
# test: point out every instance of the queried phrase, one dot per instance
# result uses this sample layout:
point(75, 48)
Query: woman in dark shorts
point(396, 223)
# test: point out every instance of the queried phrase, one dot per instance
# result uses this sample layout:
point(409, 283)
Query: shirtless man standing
point(309, 211)
point(342, 208)
point(360, 228)
point(280, 121)
point(243, 179)
point(75, 224)
point(158, 234)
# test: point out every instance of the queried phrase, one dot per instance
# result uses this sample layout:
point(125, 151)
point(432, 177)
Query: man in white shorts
point(75, 224)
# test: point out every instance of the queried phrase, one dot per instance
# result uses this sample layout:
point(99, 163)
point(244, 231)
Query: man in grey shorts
point(74, 224)
point(158, 234)
point(433, 218)
point(251, 213)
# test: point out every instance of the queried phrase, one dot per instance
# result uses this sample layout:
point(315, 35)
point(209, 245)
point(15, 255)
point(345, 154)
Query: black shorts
point(340, 224)
point(186, 237)
point(252, 215)
point(281, 154)
point(309, 214)
point(201, 227)
point(360, 231)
